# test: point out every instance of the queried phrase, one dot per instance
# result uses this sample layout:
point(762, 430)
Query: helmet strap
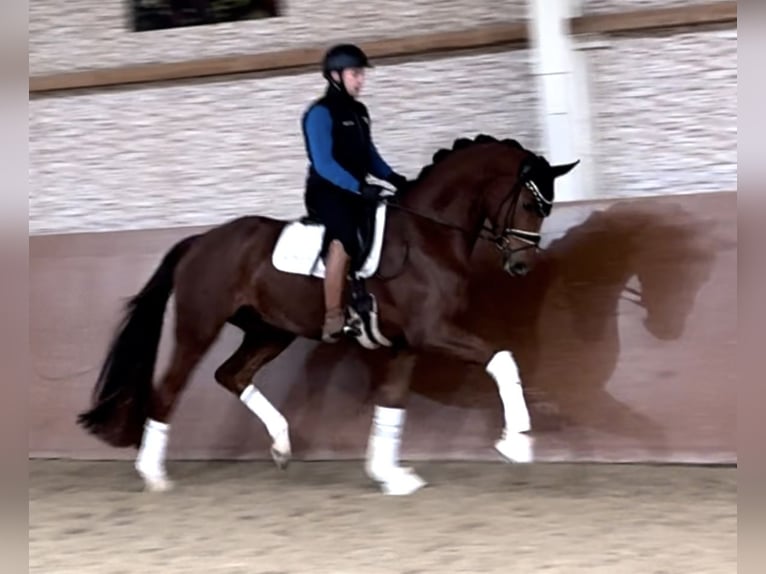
point(337, 84)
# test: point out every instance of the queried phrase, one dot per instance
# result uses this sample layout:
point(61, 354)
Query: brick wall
point(198, 153)
point(67, 35)
point(664, 110)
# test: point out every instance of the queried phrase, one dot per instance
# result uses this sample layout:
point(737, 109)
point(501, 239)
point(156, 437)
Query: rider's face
point(353, 79)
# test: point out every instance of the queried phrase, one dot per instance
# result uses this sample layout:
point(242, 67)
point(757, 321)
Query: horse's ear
point(559, 170)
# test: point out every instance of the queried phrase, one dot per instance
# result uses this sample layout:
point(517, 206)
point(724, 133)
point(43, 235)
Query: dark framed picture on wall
point(147, 15)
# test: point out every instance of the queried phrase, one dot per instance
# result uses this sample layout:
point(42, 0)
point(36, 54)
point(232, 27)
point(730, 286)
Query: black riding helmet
point(344, 56)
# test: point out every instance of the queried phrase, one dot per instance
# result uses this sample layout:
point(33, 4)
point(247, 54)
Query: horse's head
point(492, 180)
point(517, 201)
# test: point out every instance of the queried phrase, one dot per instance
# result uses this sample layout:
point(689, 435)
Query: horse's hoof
point(158, 484)
point(281, 459)
point(154, 477)
point(281, 450)
point(516, 448)
point(399, 482)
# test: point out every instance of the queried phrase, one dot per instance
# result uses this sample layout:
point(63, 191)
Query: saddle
point(365, 235)
point(301, 249)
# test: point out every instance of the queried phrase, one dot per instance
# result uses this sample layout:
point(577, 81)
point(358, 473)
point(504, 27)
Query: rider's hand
point(371, 191)
point(399, 182)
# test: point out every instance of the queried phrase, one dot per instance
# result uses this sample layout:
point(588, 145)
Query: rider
point(336, 131)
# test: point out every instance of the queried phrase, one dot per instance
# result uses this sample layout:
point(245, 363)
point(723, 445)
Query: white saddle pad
point(298, 246)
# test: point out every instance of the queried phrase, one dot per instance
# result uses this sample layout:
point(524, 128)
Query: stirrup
point(335, 335)
point(364, 317)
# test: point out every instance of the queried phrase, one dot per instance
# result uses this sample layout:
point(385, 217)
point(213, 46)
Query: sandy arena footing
point(246, 517)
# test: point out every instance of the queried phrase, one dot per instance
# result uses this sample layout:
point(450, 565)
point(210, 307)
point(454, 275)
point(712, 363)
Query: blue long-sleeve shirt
point(318, 129)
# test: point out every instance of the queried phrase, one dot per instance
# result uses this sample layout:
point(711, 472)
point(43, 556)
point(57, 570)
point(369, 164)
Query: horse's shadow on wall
point(633, 265)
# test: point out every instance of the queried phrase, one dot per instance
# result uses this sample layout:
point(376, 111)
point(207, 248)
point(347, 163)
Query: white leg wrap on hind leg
point(150, 462)
point(513, 445)
point(273, 420)
point(383, 453)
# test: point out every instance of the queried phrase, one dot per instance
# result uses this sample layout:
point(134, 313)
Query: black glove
point(398, 181)
point(371, 192)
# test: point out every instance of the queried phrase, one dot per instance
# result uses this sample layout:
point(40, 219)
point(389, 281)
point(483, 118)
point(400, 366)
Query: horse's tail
point(123, 391)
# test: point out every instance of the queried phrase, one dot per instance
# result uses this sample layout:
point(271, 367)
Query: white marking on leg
point(513, 445)
point(382, 463)
point(273, 420)
point(150, 461)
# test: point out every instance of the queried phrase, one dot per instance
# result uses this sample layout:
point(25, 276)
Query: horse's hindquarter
point(223, 267)
point(285, 300)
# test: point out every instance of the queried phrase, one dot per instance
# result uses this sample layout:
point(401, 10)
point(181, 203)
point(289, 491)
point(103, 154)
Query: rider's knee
point(340, 249)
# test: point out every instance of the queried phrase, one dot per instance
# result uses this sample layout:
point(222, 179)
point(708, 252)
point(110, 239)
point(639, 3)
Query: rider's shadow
point(623, 272)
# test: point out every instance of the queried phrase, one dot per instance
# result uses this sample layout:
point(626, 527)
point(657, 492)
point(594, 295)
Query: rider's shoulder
point(316, 106)
point(321, 101)
point(361, 108)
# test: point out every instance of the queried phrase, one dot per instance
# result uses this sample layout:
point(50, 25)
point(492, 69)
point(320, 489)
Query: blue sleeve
point(317, 128)
point(378, 166)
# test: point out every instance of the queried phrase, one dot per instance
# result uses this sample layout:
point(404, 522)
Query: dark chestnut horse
point(417, 290)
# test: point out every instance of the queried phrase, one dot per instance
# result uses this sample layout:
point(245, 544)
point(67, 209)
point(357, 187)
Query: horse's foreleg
point(501, 366)
point(382, 460)
point(513, 445)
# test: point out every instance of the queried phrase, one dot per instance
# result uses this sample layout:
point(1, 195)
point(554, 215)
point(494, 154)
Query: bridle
point(502, 239)
point(529, 239)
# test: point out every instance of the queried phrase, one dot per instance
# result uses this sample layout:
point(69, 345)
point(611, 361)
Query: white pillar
point(562, 82)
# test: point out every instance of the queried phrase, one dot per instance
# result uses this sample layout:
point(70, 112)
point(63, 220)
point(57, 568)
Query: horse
point(244, 272)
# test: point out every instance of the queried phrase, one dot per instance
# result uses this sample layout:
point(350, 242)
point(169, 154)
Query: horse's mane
point(460, 144)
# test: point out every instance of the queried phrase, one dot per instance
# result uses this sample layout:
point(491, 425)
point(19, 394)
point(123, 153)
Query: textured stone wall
point(199, 153)
point(67, 35)
point(664, 110)
point(664, 115)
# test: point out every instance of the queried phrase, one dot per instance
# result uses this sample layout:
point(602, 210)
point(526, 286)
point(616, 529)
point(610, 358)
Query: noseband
point(530, 239)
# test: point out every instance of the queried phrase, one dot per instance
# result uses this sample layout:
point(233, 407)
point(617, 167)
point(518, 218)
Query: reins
point(530, 238)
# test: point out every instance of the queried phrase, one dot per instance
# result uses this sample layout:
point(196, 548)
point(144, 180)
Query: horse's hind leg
point(189, 348)
point(261, 344)
point(150, 462)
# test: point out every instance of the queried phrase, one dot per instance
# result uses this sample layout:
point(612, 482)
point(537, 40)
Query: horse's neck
point(449, 202)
